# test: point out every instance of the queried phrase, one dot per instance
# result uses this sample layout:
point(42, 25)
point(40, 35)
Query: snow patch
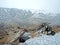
point(44, 40)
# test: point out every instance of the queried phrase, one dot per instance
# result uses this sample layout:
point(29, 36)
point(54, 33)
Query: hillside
point(13, 22)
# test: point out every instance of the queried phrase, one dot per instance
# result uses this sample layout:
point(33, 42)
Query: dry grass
point(14, 31)
point(57, 30)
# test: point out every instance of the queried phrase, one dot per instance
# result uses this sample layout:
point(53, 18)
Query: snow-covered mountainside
point(24, 17)
point(46, 17)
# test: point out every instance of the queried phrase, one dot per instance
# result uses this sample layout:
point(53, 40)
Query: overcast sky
point(46, 5)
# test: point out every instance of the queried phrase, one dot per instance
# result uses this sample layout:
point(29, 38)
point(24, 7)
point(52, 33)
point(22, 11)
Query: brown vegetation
point(10, 33)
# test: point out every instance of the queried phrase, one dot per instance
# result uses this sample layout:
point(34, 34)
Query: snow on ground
point(44, 40)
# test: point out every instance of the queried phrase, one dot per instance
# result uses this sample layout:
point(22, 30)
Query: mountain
point(12, 15)
point(27, 17)
point(47, 17)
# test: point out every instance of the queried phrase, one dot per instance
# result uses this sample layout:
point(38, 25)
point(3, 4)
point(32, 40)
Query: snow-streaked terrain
point(21, 16)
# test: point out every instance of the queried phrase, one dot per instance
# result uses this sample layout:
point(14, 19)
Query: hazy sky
point(46, 5)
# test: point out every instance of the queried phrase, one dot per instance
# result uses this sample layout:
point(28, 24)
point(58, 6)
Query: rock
point(23, 39)
point(52, 33)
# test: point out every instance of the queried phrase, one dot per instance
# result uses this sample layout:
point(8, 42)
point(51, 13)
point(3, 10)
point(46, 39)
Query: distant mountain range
point(25, 17)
